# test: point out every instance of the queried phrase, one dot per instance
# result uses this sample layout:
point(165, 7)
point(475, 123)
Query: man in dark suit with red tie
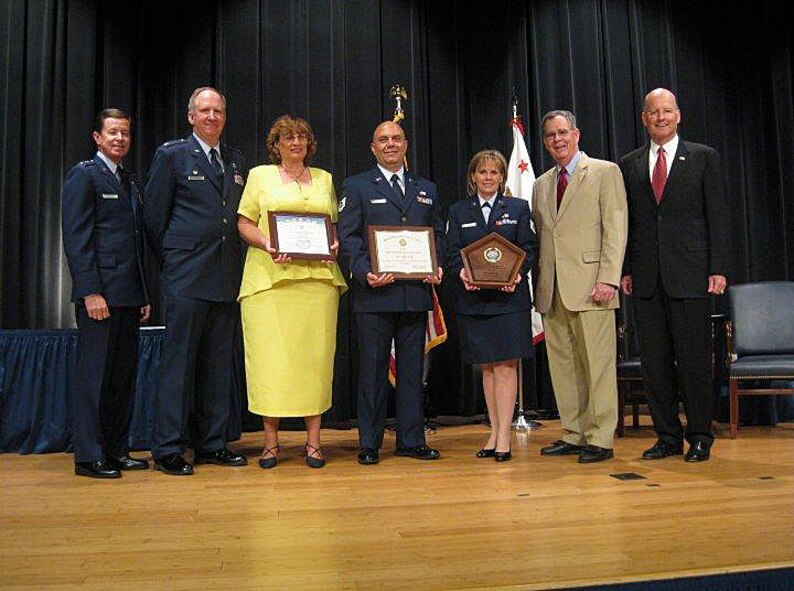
point(677, 256)
point(101, 220)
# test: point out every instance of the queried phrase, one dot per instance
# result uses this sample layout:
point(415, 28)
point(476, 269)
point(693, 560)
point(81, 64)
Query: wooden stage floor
point(457, 523)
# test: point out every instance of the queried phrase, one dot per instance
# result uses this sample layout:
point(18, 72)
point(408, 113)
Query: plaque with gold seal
point(492, 262)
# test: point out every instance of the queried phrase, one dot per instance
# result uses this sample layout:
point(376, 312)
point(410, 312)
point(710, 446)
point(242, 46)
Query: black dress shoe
point(698, 452)
point(173, 464)
point(661, 450)
point(593, 453)
point(561, 448)
point(97, 469)
point(503, 456)
point(419, 452)
point(486, 453)
point(367, 456)
point(128, 463)
point(222, 457)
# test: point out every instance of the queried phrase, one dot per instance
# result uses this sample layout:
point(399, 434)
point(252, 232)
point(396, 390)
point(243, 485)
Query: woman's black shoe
point(503, 456)
point(486, 453)
point(269, 462)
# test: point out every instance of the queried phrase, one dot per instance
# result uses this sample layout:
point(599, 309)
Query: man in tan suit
point(580, 214)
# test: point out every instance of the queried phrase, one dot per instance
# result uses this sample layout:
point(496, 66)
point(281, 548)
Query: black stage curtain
point(334, 61)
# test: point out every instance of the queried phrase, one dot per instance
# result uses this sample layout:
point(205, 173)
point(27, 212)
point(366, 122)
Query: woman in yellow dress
point(289, 307)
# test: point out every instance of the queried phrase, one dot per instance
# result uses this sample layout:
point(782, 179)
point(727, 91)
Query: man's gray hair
point(567, 115)
point(191, 104)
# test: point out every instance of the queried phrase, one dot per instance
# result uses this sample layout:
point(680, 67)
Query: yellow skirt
point(290, 341)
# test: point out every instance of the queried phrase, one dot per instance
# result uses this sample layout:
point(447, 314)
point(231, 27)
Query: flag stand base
point(522, 424)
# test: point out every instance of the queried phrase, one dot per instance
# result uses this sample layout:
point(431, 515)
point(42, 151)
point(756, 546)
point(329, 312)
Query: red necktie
point(659, 178)
point(562, 183)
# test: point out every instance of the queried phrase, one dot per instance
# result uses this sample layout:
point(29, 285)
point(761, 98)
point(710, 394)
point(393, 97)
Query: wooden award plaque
point(492, 261)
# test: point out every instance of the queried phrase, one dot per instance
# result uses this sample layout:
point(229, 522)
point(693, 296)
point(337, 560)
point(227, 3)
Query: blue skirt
point(487, 339)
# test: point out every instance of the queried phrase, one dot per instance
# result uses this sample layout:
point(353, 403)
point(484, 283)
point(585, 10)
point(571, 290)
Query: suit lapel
point(201, 163)
point(551, 195)
point(677, 171)
point(230, 169)
point(384, 188)
point(644, 175)
point(410, 192)
point(111, 181)
point(476, 213)
point(579, 176)
point(499, 207)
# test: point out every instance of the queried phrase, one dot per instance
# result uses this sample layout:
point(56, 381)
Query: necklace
point(290, 175)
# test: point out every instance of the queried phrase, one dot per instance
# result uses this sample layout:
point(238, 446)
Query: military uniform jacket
point(191, 220)
point(685, 238)
point(102, 235)
point(368, 199)
point(510, 218)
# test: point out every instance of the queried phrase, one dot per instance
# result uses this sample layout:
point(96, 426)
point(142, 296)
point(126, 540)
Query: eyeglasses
point(288, 139)
point(563, 133)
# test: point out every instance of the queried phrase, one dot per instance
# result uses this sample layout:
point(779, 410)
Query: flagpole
point(522, 423)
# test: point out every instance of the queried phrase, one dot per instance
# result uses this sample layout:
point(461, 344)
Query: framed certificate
point(492, 261)
point(407, 251)
point(301, 235)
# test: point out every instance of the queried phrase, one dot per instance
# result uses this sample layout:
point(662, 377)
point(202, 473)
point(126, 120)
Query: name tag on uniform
point(468, 225)
point(377, 201)
point(195, 177)
point(504, 222)
point(425, 200)
point(109, 196)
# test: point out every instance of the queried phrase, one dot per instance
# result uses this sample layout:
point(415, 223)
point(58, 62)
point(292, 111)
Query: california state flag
point(520, 178)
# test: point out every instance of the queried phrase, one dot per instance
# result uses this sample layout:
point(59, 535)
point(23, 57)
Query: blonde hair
point(479, 158)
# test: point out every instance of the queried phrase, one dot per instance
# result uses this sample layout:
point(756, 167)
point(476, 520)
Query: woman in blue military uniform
point(494, 324)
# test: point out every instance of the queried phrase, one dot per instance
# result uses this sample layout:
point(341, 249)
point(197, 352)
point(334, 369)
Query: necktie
point(216, 165)
point(486, 211)
point(124, 179)
point(659, 179)
point(395, 183)
point(562, 183)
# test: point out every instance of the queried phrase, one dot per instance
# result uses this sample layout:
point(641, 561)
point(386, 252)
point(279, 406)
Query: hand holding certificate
point(406, 252)
point(301, 235)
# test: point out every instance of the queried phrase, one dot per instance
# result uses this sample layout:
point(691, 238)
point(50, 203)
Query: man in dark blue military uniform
point(387, 309)
point(190, 215)
point(103, 243)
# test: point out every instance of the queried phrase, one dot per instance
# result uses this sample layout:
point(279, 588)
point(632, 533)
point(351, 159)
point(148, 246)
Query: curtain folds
point(334, 61)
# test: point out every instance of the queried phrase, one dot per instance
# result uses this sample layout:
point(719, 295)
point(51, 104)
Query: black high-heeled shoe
point(267, 463)
point(503, 456)
point(486, 453)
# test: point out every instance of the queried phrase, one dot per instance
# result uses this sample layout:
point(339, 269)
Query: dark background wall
point(334, 62)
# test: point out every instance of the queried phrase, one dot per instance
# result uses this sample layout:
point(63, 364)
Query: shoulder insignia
point(87, 163)
point(174, 143)
point(342, 203)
